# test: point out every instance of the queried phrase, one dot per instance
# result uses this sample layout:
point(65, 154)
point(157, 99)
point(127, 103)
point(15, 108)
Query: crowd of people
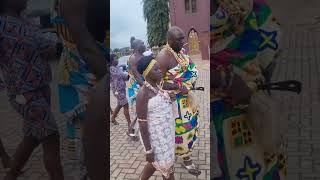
point(163, 115)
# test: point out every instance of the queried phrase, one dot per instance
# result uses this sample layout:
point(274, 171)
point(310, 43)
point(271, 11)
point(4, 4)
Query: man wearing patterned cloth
point(244, 43)
point(82, 66)
point(135, 82)
point(179, 75)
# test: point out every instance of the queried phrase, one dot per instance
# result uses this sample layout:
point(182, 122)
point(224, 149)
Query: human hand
point(240, 92)
point(183, 89)
point(172, 96)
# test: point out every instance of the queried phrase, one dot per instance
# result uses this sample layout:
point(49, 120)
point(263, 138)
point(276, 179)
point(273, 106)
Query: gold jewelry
point(149, 86)
point(159, 91)
point(180, 58)
point(149, 67)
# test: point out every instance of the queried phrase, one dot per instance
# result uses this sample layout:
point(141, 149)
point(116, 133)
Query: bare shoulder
point(130, 60)
point(163, 56)
point(163, 53)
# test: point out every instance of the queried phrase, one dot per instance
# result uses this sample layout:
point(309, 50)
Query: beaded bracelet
point(142, 120)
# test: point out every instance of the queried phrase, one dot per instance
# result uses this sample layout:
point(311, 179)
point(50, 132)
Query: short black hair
point(112, 58)
point(143, 63)
point(172, 31)
point(135, 43)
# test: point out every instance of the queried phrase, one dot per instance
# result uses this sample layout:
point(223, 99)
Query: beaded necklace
point(158, 91)
point(181, 59)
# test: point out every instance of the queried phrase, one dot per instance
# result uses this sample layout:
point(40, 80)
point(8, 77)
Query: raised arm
point(75, 12)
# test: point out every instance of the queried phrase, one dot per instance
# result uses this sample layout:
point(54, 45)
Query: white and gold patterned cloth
point(161, 127)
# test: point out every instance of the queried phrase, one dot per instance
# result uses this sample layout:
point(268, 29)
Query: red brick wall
point(199, 21)
point(204, 45)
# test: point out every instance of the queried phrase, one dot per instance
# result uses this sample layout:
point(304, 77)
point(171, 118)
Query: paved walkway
point(304, 137)
point(127, 157)
point(301, 61)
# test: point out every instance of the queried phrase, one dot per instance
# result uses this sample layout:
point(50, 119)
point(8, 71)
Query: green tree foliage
point(156, 14)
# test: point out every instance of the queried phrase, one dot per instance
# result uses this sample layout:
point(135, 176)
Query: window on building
point(194, 6)
point(190, 6)
point(187, 5)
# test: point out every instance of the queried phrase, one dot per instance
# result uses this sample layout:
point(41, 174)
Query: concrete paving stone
point(306, 163)
point(124, 165)
point(128, 171)
point(121, 176)
point(116, 172)
point(132, 176)
point(300, 61)
point(203, 175)
point(293, 176)
point(113, 167)
point(310, 176)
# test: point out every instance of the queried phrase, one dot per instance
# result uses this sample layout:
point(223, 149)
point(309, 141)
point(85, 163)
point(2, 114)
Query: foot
point(131, 131)
point(132, 136)
point(192, 169)
point(113, 120)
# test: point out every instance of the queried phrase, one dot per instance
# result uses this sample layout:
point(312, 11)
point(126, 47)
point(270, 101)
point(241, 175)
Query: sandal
point(132, 136)
point(115, 122)
point(192, 169)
